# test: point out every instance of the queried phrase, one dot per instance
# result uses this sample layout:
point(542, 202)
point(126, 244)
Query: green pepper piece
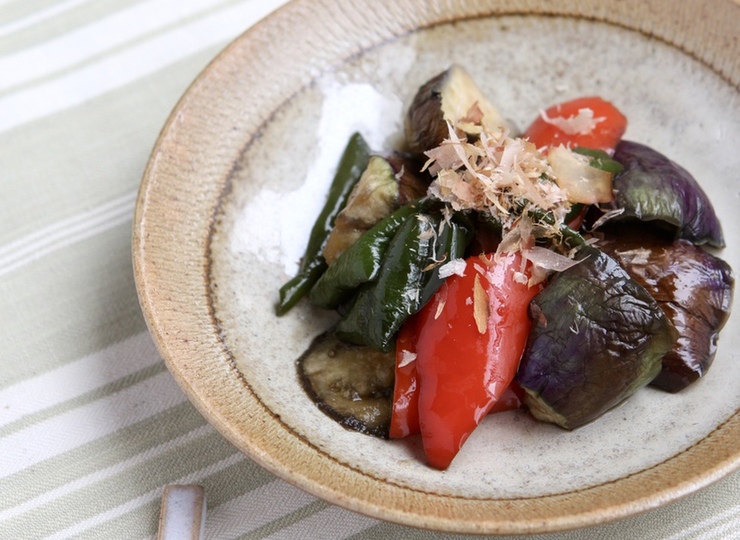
point(381, 307)
point(360, 263)
point(450, 244)
point(600, 159)
point(569, 237)
point(351, 166)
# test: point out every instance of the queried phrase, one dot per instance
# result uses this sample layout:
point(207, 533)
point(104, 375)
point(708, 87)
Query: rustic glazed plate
point(239, 174)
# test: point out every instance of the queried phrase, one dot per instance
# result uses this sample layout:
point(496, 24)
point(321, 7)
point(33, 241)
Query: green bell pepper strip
point(407, 279)
point(451, 243)
point(600, 159)
point(360, 263)
point(570, 238)
point(380, 307)
point(351, 166)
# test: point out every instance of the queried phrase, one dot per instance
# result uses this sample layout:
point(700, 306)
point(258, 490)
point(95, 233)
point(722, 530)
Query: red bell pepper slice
point(610, 125)
point(510, 400)
point(405, 411)
point(471, 336)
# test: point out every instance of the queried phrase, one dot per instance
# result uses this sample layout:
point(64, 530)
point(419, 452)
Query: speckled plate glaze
point(238, 176)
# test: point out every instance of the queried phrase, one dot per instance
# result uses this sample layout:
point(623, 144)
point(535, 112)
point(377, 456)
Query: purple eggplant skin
point(652, 187)
point(597, 336)
point(692, 286)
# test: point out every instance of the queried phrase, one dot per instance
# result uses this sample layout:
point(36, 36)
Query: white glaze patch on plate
point(297, 208)
point(673, 104)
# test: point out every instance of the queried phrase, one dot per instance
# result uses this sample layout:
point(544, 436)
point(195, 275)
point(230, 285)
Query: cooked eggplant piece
point(380, 190)
point(653, 188)
point(452, 96)
point(597, 336)
point(351, 384)
point(412, 182)
point(693, 287)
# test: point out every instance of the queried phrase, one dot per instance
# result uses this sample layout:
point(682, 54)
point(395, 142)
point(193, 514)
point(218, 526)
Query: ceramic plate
point(238, 176)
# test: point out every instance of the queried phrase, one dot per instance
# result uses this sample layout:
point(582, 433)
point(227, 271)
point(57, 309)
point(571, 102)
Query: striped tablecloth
point(92, 426)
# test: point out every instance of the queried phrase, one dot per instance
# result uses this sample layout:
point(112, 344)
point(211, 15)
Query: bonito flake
point(504, 176)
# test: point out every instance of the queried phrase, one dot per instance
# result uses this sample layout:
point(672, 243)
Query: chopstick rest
point(182, 515)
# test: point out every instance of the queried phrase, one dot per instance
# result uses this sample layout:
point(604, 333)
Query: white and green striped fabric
point(92, 426)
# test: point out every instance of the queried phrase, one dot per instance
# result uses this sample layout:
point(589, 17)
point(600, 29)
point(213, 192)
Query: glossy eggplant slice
point(452, 96)
point(693, 287)
point(653, 188)
point(597, 336)
point(351, 384)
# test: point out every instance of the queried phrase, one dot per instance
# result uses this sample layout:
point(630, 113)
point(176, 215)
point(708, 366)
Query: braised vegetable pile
point(474, 271)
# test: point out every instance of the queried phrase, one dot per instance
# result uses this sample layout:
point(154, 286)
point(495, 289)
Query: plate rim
point(204, 370)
